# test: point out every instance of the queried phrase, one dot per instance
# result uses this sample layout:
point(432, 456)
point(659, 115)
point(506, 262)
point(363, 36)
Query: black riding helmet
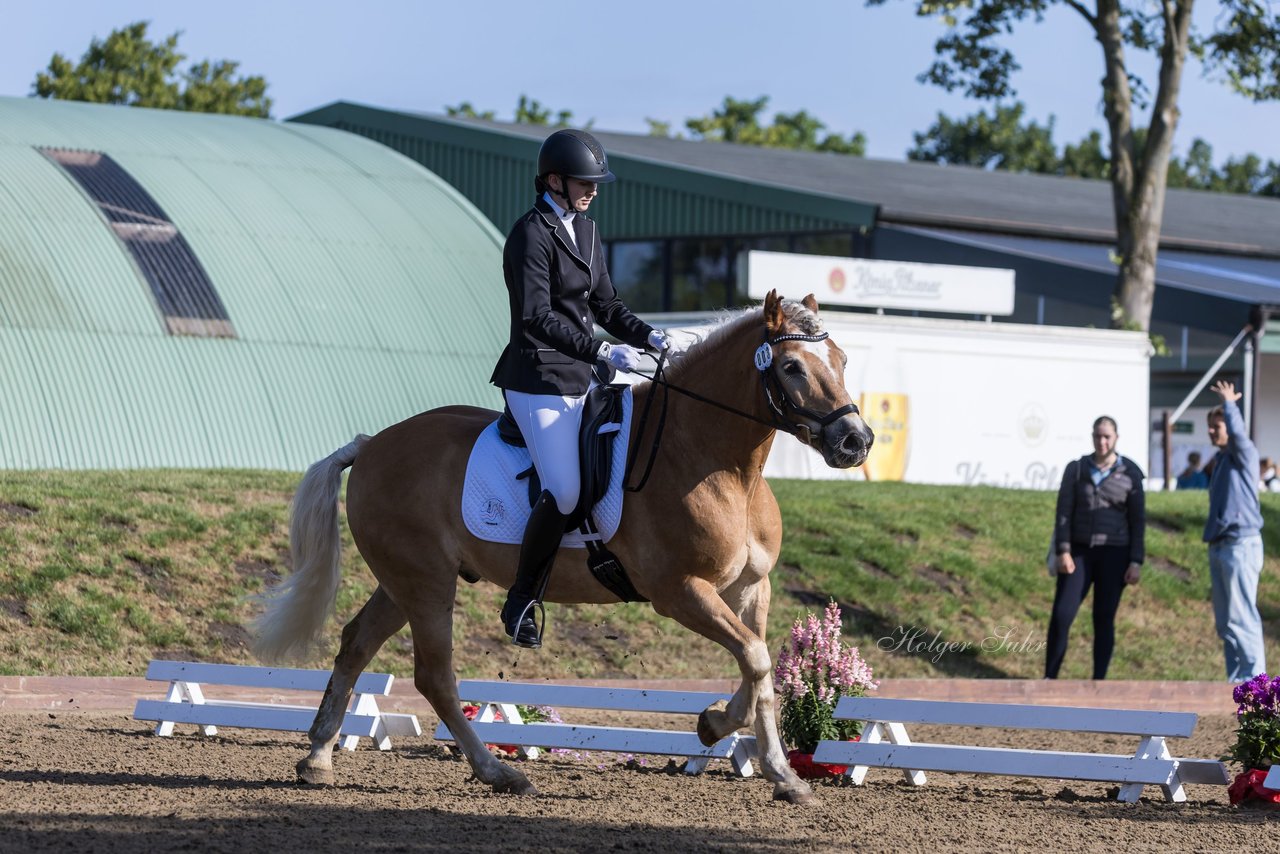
point(574, 154)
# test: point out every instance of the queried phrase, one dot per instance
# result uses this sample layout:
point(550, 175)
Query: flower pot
point(1247, 790)
point(806, 769)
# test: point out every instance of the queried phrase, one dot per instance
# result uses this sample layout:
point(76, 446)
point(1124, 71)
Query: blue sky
point(851, 66)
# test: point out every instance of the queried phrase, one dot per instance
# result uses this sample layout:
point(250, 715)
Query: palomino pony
point(698, 541)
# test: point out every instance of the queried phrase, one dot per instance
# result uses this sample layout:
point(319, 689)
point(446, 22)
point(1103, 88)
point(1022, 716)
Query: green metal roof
point(363, 289)
point(494, 167)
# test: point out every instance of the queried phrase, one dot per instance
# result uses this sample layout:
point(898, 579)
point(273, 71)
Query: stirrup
point(531, 612)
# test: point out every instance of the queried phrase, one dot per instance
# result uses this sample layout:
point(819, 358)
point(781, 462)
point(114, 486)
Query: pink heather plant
point(813, 672)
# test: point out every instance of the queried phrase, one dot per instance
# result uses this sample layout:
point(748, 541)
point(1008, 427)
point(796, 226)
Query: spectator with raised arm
point(1234, 535)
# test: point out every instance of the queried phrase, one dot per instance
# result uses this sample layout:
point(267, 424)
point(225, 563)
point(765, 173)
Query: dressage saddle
point(601, 421)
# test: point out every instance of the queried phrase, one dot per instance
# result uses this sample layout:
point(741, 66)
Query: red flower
point(470, 711)
point(1248, 787)
point(807, 769)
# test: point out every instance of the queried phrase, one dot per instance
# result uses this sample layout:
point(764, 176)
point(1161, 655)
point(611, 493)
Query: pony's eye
point(793, 368)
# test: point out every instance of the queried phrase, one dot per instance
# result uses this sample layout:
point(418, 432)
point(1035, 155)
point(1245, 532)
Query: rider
point(554, 266)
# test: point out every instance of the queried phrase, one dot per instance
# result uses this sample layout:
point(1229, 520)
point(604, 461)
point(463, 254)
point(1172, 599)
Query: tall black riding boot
point(537, 553)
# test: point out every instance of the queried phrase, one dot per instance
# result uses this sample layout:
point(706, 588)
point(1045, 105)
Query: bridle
point(763, 359)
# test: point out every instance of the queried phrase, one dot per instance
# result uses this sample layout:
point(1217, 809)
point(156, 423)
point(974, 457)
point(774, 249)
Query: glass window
point(839, 244)
point(182, 289)
point(636, 270)
point(702, 275)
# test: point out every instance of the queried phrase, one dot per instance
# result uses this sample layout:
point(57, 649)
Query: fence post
point(1167, 444)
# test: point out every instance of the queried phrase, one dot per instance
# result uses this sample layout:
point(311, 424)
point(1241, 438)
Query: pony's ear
point(810, 303)
point(773, 316)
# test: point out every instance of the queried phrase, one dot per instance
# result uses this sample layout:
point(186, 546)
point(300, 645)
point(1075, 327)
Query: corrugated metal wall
point(494, 169)
point(363, 290)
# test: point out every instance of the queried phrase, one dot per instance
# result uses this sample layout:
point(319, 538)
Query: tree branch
point(1118, 109)
point(1164, 113)
point(1079, 7)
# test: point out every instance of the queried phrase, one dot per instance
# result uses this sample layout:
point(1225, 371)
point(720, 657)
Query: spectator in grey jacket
point(1234, 535)
point(1099, 536)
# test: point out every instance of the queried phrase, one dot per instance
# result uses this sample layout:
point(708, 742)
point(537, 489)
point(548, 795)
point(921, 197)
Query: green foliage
point(529, 111)
point(1003, 140)
point(657, 128)
point(467, 111)
point(1243, 46)
point(997, 141)
point(1257, 743)
point(128, 68)
point(739, 121)
point(1247, 174)
point(807, 720)
point(1085, 159)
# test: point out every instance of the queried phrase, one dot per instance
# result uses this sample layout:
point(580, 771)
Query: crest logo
point(836, 280)
point(1033, 425)
point(493, 512)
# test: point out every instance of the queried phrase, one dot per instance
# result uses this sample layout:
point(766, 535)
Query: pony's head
point(803, 371)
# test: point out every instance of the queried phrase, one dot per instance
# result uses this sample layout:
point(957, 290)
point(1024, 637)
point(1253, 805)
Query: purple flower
point(1259, 695)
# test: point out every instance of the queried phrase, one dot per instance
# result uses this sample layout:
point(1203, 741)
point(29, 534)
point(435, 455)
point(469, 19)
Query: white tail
point(297, 609)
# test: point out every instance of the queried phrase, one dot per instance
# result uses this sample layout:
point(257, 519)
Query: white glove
point(660, 340)
point(620, 356)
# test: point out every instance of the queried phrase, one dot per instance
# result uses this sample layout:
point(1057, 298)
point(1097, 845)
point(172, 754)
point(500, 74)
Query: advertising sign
point(977, 403)
point(980, 404)
point(881, 284)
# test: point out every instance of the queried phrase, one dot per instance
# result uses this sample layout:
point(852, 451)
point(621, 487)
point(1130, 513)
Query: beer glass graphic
point(886, 410)
point(886, 413)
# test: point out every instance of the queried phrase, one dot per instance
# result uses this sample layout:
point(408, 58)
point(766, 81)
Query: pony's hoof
point(708, 732)
point(314, 774)
point(794, 793)
point(515, 785)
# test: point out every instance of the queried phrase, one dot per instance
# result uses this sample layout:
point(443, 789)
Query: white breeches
point(549, 424)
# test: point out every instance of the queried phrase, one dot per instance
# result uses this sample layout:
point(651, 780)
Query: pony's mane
point(730, 323)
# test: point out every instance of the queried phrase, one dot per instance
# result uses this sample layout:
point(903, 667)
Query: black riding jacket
point(1113, 513)
point(555, 289)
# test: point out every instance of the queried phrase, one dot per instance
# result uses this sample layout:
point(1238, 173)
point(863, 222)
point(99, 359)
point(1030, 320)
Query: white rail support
point(503, 697)
point(186, 702)
point(1150, 764)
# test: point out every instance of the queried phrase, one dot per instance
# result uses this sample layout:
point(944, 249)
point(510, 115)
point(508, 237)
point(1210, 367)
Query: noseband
point(763, 361)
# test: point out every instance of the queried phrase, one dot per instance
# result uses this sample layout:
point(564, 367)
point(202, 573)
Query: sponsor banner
point(882, 284)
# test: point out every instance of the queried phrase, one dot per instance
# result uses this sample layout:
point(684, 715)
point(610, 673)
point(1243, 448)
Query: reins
point(763, 360)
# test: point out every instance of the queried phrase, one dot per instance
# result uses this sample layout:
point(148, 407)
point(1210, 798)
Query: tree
point(1003, 141)
point(739, 121)
point(1244, 46)
point(528, 112)
point(127, 68)
point(466, 111)
point(1086, 159)
point(998, 141)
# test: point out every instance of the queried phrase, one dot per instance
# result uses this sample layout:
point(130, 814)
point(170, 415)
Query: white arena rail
point(186, 702)
point(886, 744)
point(499, 699)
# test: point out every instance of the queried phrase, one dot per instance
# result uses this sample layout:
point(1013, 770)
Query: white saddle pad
point(495, 505)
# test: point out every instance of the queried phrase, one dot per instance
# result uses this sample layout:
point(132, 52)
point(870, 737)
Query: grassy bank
point(102, 571)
